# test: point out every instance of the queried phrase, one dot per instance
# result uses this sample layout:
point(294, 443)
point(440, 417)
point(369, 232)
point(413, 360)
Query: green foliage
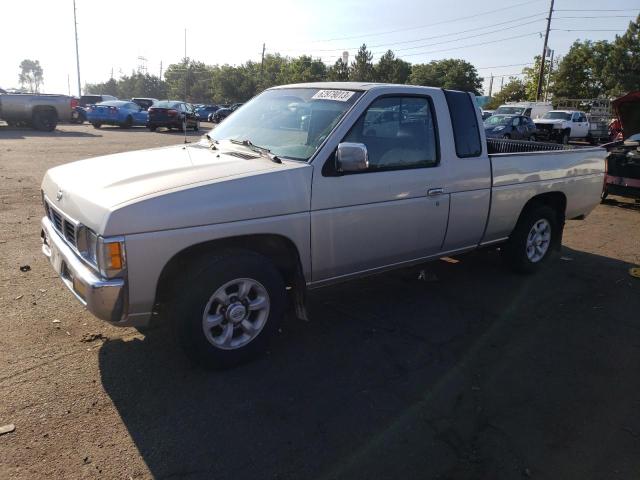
point(514, 91)
point(339, 72)
point(390, 69)
point(450, 73)
point(31, 75)
point(623, 68)
point(581, 72)
point(362, 69)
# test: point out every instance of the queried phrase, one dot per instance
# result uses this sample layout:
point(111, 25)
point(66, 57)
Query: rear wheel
point(45, 120)
point(152, 128)
point(233, 304)
point(128, 123)
point(96, 125)
point(532, 138)
point(534, 238)
point(506, 136)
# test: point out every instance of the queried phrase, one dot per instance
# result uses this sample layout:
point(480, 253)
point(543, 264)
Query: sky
point(497, 37)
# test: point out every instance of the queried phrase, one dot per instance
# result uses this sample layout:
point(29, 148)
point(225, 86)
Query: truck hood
point(627, 109)
point(89, 191)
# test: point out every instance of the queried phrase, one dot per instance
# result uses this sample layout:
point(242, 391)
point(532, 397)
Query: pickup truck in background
point(232, 231)
point(562, 126)
point(42, 112)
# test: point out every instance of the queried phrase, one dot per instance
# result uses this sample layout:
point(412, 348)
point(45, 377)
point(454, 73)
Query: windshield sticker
point(337, 95)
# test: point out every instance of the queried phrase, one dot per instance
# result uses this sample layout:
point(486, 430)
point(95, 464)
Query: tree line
point(589, 70)
point(201, 83)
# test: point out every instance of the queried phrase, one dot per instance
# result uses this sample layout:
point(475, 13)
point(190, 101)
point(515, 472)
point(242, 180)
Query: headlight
point(497, 129)
point(107, 255)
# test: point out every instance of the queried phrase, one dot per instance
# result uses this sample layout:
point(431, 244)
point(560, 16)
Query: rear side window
point(465, 124)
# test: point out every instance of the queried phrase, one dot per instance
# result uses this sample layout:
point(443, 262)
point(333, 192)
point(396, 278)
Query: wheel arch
point(280, 249)
point(44, 109)
point(557, 200)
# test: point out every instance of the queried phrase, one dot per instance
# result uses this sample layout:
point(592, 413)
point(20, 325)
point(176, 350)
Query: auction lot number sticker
point(337, 95)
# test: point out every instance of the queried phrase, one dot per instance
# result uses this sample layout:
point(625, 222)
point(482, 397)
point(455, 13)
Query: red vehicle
point(623, 162)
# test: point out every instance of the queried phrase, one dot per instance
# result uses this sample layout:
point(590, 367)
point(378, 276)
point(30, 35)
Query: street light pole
point(544, 52)
point(75, 24)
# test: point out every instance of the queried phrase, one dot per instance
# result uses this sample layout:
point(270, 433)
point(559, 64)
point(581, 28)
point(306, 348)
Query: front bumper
point(106, 299)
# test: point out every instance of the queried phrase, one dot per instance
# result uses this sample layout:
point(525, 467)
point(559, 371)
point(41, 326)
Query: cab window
point(399, 132)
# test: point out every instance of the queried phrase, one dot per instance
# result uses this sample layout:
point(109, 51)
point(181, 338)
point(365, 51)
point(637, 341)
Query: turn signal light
point(115, 255)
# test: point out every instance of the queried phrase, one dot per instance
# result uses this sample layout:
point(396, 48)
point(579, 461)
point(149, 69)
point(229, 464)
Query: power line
point(480, 14)
point(502, 66)
point(598, 10)
point(355, 47)
point(585, 30)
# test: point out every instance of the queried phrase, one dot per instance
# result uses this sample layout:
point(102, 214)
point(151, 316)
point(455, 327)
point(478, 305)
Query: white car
point(528, 109)
point(563, 125)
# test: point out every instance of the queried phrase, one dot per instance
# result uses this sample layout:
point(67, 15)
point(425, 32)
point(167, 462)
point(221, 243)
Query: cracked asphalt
point(472, 373)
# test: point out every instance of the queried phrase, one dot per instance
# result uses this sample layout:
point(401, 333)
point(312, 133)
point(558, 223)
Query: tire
point(44, 121)
point(96, 125)
point(604, 194)
point(532, 138)
point(128, 123)
point(232, 338)
point(525, 252)
point(196, 127)
point(564, 139)
point(506, 136)
point(153, 129)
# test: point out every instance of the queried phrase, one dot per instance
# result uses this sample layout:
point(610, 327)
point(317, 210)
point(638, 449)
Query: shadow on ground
point(17, 133)
point(622, 202)
point(474, 373)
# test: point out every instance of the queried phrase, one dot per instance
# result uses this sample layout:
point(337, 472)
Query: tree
point(390, 69)
point(339, 72)
point(452, 73)
point(31, 75)
point(514, 91)
point(303, 69)
point(582, 71)
point(362, 68)
point(623, 67)
point(198, 78)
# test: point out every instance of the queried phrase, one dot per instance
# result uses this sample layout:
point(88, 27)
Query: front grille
point(66, 227)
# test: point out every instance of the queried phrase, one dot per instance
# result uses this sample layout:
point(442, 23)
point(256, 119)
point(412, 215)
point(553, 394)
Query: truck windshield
point(509, 111)
point(557, 116)
point(290, 122)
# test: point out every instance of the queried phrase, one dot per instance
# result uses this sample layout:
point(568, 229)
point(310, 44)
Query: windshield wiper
point(212, 142)
point(261, 150)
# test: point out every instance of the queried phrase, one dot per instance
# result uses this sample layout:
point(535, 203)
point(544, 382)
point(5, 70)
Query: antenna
point(186, 78)
point(75, 24)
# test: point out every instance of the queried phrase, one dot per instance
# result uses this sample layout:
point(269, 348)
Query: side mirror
point(352, 157)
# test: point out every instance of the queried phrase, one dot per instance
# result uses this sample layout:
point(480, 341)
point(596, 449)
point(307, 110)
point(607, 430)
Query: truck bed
point(521, 170)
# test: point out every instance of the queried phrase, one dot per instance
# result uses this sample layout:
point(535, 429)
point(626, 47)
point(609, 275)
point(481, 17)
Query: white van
point(528, 109)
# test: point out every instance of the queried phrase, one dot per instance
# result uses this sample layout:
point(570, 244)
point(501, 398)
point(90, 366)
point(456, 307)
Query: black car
point(86, 100)
point(223, 113)
point(172, 114)
point(144, 103)
point(203, 112)
point(516, 127)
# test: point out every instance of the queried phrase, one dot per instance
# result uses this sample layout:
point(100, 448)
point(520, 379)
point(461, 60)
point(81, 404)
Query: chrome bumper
point(106, 299)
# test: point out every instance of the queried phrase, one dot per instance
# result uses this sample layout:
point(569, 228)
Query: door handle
point(434, 192)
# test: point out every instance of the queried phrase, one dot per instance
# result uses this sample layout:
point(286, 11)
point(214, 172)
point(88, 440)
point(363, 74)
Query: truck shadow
point(470, 372)
point(18, 133)
point(621, 202)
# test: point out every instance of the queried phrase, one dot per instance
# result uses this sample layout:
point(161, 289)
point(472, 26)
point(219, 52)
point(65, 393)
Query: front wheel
point(532, 241)
point(232, 306)
point(532, 138)
point(96, 125)
point(506, 136)
point(128, 123)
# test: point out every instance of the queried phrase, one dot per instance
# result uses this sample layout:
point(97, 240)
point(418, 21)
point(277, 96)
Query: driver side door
point(392, 212)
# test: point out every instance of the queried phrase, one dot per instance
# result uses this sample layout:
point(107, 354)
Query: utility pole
point(111, 73)
point(544, 52)
point(546, 90)
point(160, 76)
point(491, 85)
point(501, 82)
point(75, 24)
point(262, 66)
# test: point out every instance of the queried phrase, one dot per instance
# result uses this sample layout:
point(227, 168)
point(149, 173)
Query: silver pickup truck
point(303, 186)
point(42, 112)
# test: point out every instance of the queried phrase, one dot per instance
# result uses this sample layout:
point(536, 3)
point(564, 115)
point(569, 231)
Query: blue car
point(117, 112)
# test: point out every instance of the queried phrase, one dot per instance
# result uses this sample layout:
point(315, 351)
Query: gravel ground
point(474, 373)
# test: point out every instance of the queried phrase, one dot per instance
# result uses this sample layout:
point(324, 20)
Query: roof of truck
point(362, 86)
